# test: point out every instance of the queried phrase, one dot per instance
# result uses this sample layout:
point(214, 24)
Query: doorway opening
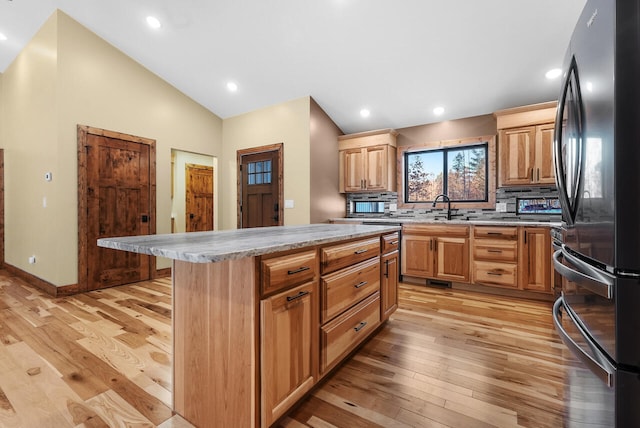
point(260, 186)
point(193, 192)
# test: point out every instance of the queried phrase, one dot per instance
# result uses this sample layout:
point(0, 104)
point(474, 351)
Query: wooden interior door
point(117, 190)
point(260, 192)
point(199, 197)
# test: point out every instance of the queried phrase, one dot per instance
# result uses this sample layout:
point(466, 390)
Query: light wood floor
point(445, 359)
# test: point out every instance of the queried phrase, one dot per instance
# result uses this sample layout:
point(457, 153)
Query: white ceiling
point(398, 58)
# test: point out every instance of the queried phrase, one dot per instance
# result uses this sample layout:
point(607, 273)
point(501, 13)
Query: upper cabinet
point(525, 145)
point(368, 161)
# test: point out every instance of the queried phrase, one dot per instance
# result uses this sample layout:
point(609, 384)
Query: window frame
point(491, 163)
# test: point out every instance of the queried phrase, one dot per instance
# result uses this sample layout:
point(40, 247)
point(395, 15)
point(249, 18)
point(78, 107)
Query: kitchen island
point(261, 315)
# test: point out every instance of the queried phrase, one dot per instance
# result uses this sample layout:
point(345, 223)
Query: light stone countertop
point(215, 246)
point(400, 220)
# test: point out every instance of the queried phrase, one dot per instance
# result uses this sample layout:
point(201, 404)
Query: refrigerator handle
point(602, 368)
point(595, 281)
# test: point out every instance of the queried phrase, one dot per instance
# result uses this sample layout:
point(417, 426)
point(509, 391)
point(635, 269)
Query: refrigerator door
point(584, 145)
point(597, 393)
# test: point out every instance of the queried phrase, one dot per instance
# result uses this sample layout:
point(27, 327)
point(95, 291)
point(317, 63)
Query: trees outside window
point(465, 179)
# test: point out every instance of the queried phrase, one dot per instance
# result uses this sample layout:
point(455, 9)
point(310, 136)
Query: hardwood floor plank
point(446, 358)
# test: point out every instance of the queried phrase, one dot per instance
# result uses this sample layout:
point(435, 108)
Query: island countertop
point(216, 246)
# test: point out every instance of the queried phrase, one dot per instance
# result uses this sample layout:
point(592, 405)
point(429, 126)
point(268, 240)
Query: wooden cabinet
point(535, 256)
point(368, 161)
point(288, 334)
point(436, 251)
point(350, 297)
point(389, 275)
point(525, 145)
point(495, 256)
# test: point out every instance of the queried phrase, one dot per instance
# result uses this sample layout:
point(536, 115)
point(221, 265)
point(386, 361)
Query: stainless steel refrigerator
point(597, 161)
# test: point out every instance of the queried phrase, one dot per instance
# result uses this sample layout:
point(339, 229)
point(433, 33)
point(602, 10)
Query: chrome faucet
point(446, 199)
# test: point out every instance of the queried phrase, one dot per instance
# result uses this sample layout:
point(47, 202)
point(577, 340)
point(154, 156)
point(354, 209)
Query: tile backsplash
point(505, 195)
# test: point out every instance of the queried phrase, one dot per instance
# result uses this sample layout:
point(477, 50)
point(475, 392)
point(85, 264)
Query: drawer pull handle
point(394, 242)
point(360, 326)
point(297, 296)
point(364, 250)
point(300, 269)
point(494, 251)
point(361, 284)
point(495, 273)
point(495, 233)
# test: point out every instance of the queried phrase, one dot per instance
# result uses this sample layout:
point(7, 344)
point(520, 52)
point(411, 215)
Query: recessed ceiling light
point(589, 86)
point(365, 112)
point(554, 73)
point(3, 37)
point(232, 86)
point(153, 22)
point(438, 111)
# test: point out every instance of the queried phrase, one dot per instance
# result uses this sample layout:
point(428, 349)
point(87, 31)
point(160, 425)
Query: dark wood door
point(260, 187)
point(118, 204)
point(199, 197)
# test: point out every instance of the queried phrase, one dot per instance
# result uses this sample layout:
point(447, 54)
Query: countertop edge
point(204, 252)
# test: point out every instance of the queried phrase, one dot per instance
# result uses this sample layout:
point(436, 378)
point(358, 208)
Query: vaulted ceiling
point(398, 59)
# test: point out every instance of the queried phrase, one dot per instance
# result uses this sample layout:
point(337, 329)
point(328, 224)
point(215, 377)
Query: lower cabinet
point(389, 284)
point(318, 304)
point(288, 334)
point(439, 252)
point(535, 256)
point(495, 256)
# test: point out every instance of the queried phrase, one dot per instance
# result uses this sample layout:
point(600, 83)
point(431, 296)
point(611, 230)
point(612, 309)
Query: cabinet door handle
point(297, 296)
point(531, 174)
point(525, 236)
point(386, 268)
point(493, 251)
point(361, 251)
point(361, 284)
point(300, 269)
point(360, 326)
point(430, 244)
point(538, 172)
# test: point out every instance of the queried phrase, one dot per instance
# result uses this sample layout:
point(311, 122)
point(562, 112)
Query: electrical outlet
point(32, 260)
point(501, 207)
point(393, 207)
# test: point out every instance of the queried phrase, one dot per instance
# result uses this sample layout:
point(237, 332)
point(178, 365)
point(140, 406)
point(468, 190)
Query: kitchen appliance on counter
point(597, 160)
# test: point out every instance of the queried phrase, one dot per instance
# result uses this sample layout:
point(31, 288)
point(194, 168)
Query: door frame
point(83, 217)
point(279, 149)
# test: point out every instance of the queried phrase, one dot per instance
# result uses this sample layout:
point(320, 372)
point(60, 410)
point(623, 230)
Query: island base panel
point(214, 340)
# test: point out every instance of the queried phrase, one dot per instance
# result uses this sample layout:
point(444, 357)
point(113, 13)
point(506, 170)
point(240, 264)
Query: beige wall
point(178, 203)
point(68, 76)
point(448, 130)
point(286, 123)
point(326, 200)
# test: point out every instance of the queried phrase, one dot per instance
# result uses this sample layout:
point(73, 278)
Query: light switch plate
point(288, 203)
point(501, 207)
point(393, 207)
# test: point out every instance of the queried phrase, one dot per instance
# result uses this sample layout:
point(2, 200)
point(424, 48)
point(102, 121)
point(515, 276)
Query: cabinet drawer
point(390, 242)
point(285, 271)
point(342, 255)
point(344, 333)
point(344, 288)
point(498, 274)
point(496, 232)
point(436, 230)
point(495, 250)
